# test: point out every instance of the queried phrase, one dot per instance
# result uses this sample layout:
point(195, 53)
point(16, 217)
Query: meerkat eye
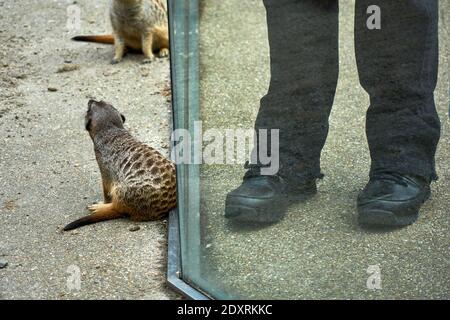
point(123, 118)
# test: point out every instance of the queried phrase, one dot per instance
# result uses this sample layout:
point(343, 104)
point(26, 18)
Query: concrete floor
point(48, 169)
point(317, 251)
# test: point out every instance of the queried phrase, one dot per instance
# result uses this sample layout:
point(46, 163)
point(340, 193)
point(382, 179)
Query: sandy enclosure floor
point(317, 251)
point(48, 169)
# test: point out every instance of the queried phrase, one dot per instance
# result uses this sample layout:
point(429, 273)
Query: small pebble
point(52, 89)
point(110, 72)
point(3, 263)
point(20, 76)
point(145, 72)
point(134, 228)
point(67, 67)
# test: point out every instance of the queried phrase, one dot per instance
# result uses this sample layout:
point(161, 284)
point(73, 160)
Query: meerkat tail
point(93, 218)
point(107, 38)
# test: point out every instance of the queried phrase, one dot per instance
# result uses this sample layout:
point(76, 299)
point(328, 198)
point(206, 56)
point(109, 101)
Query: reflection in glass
point(352, 98)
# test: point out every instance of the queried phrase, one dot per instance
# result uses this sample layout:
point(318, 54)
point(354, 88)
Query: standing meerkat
point(138, 181)
point(139, 25)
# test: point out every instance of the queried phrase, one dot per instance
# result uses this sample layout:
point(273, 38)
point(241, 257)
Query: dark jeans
point(397, 66)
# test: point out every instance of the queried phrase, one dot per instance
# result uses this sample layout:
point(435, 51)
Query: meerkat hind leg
point(101, 207)
point(107, 209)
point(161, 43)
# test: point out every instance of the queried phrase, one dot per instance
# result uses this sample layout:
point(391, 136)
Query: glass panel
point(228, 55)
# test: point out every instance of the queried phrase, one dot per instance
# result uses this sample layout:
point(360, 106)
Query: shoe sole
point(250, 214)
point(274, 212)
point(382, 218)
point(385, 218)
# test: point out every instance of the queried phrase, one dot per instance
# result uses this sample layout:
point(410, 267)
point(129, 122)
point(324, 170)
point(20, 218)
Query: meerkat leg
point(147, 47)
point(119, 49)
point(107, 186)
point(107, 195)
point(111, 206)
point(163, 53)
point(102, 208)
point(161, 43)
point(106, 191)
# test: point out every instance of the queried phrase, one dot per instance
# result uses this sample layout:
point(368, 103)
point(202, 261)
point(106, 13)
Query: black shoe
point(392, 199)
point(264, 199)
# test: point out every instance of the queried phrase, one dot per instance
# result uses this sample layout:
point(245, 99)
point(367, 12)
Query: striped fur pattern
point(138, 181)
point(142, 179)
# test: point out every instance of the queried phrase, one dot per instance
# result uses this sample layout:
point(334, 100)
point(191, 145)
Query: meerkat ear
point(87, 124)
point(123, 118)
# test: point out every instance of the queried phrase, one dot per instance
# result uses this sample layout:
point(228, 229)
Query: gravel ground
point(48, 170)
point(317, 251)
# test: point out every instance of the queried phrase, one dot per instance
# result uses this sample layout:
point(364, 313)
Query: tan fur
point(138, 181)
point(139, 25)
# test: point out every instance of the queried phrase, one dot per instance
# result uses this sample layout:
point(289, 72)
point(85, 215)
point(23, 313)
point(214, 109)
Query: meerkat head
point(101, 115)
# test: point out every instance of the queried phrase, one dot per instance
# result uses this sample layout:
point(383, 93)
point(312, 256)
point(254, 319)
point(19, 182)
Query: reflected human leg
point(303, 39)
point(397, 65)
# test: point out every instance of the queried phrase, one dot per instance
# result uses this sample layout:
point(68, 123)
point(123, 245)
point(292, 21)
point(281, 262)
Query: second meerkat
point(139, 25)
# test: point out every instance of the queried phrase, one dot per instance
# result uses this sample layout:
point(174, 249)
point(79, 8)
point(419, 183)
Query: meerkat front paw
point(163, 53)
